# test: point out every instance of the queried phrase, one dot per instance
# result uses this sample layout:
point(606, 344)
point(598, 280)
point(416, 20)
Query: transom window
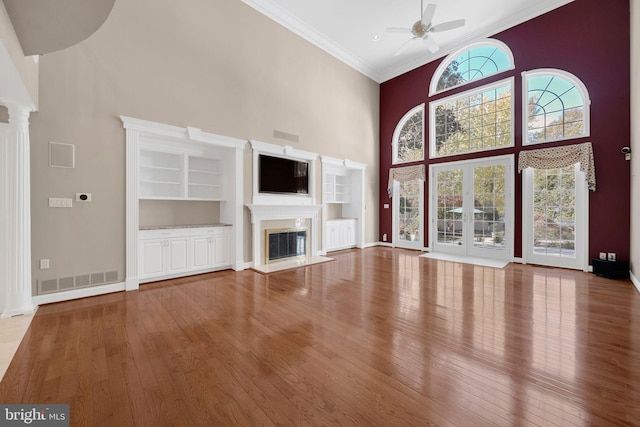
point(476, 120)
point(408, 138)
point(556, 106)
point(474, 62)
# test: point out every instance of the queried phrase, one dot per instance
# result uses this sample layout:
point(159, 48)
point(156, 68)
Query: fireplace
point(266, 218)
point(285, 244)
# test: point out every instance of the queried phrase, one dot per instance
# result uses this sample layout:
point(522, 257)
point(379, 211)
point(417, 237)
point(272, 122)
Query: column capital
point(18, 114)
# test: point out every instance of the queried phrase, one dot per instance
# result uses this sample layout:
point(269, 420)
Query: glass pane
point(473, 64)
point(409, 215)
point(409, 145)
point(554, 213)
point(489, 207)
point(556, 105)
point(450, 207)
point(478, 121)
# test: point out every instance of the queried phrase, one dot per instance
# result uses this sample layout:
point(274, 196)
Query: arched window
point(408, 138)
point(473, 62)
point(556, 106)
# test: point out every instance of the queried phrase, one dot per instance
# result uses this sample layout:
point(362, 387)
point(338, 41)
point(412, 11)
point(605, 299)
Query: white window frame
point(432, 117)
point(445, 64)
point(581, 261)
point(398, 129)
point(586, 103)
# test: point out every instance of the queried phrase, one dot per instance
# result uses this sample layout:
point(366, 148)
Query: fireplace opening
point(283, 244)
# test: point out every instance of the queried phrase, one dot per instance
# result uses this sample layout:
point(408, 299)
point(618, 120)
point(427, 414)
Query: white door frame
point(581, 261)
point(395, 205)
point(468, 249)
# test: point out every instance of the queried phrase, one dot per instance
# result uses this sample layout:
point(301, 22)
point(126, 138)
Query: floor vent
point(75, 282)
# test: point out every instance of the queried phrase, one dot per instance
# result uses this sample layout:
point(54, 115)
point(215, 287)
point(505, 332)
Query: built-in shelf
point(176, 176)
point(342, 195)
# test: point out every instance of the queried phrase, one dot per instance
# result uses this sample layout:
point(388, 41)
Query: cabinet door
point(200, 252)
point(178, 255)
point(221, 250)
point(332, 236)
point(350, 233)
point(152, 263)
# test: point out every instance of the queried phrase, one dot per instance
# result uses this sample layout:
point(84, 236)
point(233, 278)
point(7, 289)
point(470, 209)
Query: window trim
point(445, 63)
point(586, 103)
point(432, 119)
point(398, 129)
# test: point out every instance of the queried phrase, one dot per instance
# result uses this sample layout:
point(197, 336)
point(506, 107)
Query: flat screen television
point(282, 176)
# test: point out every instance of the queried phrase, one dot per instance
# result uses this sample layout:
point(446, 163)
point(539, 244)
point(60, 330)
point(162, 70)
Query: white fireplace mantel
point(265, 212)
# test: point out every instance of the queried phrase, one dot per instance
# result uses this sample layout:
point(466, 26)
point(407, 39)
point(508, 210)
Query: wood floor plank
point(377, 337)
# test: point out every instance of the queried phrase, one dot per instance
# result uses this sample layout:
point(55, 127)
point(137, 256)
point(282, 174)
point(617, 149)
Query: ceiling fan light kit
point(423, 27)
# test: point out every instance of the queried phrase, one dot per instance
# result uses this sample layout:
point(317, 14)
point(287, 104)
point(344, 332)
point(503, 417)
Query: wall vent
point(97, 278)
point(83, 280)
point(50, 285)
point(66, 283)
point(74, 282)
point(111, 276)
point(284, 135)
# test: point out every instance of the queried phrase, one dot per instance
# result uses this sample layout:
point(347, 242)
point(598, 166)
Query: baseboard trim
point(635, 281)
point(385, 244)
point(78, 293)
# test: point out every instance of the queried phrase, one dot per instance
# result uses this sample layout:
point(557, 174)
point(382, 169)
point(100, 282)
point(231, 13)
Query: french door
point(471, 208)
point(555, 217)
point(408, 214)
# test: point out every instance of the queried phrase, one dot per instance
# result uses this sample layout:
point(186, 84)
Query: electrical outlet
point(386, 206)
point(44, 264)
point(384, 237)
point(612, 256)
point(603, 255)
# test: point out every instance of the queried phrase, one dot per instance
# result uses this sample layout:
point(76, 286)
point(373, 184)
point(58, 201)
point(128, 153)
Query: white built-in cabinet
point(341, 233)
point(210, 248)
point(342, 203)
point(167, 162)
point(174, 252)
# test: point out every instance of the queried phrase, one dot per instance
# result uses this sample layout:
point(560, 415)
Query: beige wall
point(217, 65)
point(26, 66)
point(635, 138)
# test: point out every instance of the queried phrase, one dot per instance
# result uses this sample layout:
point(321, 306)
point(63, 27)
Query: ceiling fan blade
point(399, 30)
point(448, 25)
point(404, 46)
point(428, 13)
point(431, 44)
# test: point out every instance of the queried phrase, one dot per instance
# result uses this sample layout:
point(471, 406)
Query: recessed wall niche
point(155, 213)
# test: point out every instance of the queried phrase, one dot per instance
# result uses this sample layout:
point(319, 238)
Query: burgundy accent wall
point(588, 38)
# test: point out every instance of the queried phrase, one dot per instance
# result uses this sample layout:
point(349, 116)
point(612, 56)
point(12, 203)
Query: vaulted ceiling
point(354, 31)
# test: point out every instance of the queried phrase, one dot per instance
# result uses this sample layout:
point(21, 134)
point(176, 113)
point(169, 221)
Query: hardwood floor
point(377, 337)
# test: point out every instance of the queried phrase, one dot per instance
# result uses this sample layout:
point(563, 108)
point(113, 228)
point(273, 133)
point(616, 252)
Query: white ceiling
point(347, 28)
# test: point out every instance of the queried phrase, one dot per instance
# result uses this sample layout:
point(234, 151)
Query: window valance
point(560, 157)
point(403, 174)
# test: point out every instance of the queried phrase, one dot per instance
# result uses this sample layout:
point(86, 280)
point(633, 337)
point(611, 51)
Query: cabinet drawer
point(164, 233)
point(339, 222)
point(210, 231)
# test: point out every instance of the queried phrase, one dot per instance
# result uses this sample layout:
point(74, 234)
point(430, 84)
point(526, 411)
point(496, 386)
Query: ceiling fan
point(423, 27)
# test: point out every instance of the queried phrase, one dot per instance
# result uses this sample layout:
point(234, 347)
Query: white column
point(17, 215)
point(132, 282)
